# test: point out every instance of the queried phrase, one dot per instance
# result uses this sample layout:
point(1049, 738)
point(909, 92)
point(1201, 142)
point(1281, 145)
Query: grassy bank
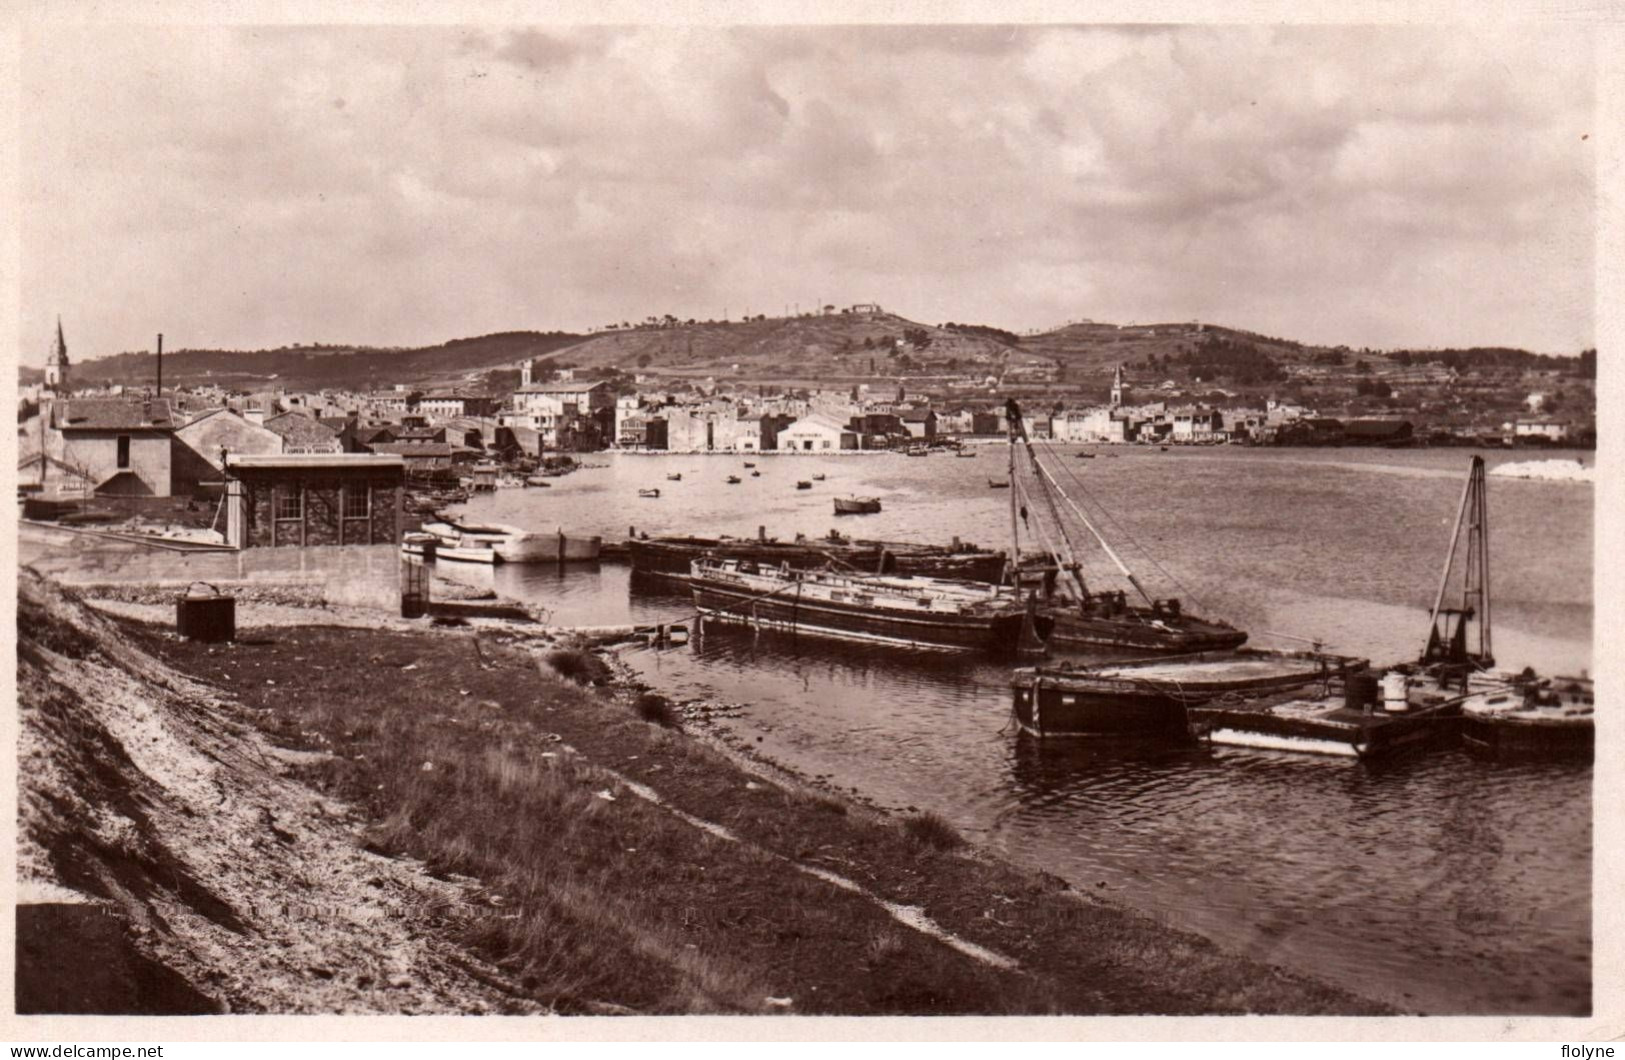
point(732, 894)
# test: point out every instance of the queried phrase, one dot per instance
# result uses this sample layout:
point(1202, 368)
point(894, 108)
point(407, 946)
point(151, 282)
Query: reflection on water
point(1437, 882)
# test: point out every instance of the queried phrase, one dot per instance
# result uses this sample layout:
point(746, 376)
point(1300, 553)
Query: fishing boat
point(537, 480)
point(673, 556)
point(734, 480)
point(912, 612)
point(749, 464)
point(675, 476)
point(755, 474)
point(1086, 613)
point(966, 454)
point(1086, 455)
point(649, 493)
point(1151, 696)
point(818, 477)
point(1421, 704)
point(1534, 718)
point(998, 484)
point(857, 505)
point(803, 485)
point(918, 450)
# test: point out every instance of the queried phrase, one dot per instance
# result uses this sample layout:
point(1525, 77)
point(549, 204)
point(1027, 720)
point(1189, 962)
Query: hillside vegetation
point(318, 367)
point(826, 346)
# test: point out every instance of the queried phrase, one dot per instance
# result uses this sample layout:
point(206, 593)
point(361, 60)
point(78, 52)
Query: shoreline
point(974, 933)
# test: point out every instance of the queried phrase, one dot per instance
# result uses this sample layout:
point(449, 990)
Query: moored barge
point(908, 611)
point(673, 556)
point(1151, 696)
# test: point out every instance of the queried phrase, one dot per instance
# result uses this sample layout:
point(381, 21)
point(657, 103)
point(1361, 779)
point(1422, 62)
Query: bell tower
point(56, 363)
point(1119, 388)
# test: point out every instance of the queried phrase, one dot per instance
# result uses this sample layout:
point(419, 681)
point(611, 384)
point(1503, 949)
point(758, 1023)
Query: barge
point(1152, 696)
point(929, 613)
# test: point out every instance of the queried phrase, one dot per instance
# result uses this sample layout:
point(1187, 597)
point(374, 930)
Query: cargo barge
point(913, 612)
point(674, 556)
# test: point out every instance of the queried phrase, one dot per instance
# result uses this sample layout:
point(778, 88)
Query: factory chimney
point(160, 364)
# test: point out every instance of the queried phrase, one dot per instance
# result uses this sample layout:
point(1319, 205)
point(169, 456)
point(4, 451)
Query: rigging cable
point(1183, 588)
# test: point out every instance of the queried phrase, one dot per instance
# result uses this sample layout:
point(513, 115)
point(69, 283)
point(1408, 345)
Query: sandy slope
point(142, 791)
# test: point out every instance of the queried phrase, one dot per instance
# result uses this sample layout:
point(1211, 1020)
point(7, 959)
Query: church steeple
point(56, 363)
point(1118, 387)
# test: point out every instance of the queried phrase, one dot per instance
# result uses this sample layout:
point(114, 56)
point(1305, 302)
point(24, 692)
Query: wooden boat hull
point(856, 507)
point(1135, 630)
point(1514, 737)
point(716, 602)
point(673, 557)
point(1142, 697)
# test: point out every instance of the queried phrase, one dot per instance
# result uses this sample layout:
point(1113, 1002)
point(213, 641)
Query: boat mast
point(1013, 563)
point(1473, 513)
point(1045, 475)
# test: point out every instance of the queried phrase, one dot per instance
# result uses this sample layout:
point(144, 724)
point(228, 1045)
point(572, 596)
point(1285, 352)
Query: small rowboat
point(537, 480)
point(803, 485)
point(755, 474)
point(649, 493)
point(675, 476)
point(818, 477)
point(997, 484)
point(749, 464)
point(734, 480)
point(857, 505)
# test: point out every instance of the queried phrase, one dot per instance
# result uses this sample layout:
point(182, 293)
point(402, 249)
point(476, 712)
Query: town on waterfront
point(1056, 669)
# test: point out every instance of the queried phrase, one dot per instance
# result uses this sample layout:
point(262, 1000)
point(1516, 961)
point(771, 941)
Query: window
point(290, 502)
point(357, 502)
point(123, 451)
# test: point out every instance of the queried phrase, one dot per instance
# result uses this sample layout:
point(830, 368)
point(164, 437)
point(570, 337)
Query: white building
point(817, 433)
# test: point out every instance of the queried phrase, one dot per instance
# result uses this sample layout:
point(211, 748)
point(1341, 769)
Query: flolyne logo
point(1585, 1052)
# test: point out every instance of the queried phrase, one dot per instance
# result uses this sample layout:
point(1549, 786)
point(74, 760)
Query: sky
point(244, 187)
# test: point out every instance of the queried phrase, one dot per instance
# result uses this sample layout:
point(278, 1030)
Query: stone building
point(308, 499)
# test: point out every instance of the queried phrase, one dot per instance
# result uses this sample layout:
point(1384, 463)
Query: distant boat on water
point(675, 476)
point(998, 484)
point(819, 477)
point(653, 493)
point(734, 480)
point(803, 485)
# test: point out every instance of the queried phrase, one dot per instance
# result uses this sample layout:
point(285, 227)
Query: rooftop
point(312, 460)
point(113, 414)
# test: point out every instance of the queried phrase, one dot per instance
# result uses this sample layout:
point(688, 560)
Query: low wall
point(348, 576)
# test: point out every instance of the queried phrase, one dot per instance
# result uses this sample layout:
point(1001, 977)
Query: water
point(1440, 883)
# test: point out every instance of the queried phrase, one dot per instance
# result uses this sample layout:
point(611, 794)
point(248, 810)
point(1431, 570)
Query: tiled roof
point(300, 430)
point(113, 414)
point(419, 449)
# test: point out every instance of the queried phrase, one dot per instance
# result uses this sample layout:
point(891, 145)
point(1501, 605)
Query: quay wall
point(346, 576)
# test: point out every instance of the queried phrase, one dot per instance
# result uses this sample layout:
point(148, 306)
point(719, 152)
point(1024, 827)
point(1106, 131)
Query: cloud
point(254, 186)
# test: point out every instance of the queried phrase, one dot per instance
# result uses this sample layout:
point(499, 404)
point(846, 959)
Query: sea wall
point(348, 576)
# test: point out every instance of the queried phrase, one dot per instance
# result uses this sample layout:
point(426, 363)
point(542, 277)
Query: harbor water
point(1439, 883)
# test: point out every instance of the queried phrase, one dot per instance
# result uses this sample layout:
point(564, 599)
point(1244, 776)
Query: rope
point(1127, 535)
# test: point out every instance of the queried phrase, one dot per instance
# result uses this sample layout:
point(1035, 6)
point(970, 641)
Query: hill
point(318, 367)
point(823, 346)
